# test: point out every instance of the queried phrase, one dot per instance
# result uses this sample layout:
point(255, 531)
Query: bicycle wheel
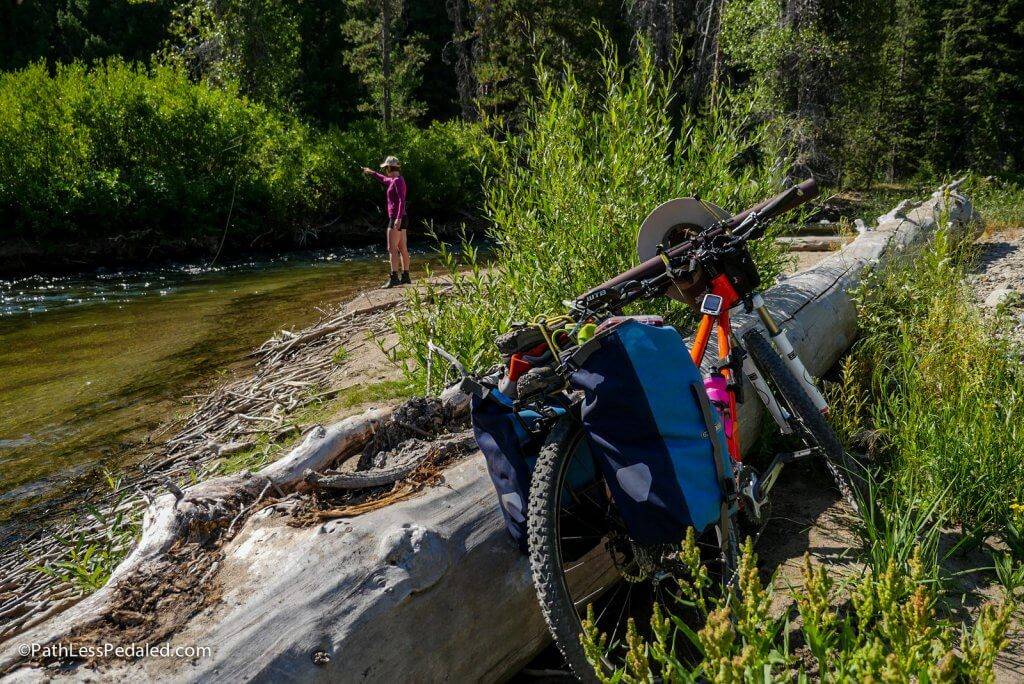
point(580, 554)
point(807, 422)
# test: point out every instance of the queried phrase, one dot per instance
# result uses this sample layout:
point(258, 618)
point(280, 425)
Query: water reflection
point(91, 364)
point(41, 293)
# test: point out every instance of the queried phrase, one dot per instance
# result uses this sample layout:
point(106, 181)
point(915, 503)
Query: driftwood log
point(430, 588)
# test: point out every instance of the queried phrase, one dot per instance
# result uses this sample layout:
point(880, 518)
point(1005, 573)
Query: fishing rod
point(351, 160)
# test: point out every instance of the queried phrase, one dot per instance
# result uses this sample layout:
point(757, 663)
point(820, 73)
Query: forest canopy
point(863, 92)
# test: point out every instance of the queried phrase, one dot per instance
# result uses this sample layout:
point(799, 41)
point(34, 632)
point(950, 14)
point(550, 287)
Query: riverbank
point(301, 378)
point(93, 367)
point(418, 553)
point(352, 371)
point(142, 251)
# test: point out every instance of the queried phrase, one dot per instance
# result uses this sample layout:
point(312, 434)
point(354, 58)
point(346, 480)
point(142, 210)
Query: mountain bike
point(582, 554)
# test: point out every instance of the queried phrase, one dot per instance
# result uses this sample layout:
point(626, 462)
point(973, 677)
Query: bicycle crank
point(756, 489)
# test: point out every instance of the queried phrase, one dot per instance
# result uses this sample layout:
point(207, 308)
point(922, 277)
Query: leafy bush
point(118, 150)
point(566, 196)
point(439, 163)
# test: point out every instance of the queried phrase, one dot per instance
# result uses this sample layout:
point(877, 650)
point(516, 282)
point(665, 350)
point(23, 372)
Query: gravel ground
point(998, 276)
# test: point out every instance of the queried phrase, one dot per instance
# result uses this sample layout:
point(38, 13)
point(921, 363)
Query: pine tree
point(389, 67)
point(976, 104)
point(253, 42)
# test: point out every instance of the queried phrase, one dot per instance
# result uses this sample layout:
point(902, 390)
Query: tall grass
point(1001, 199)
point(566, 196)
point(938, 391)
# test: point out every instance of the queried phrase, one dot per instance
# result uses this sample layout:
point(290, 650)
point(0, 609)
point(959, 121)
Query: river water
point(91, 364)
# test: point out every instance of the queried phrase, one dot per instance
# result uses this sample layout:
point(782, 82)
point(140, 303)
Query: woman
point(398, 248)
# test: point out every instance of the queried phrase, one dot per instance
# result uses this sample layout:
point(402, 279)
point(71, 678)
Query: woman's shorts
point(391, 223)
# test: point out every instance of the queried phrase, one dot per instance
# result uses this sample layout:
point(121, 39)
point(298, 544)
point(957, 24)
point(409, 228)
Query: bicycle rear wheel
point(805, 419)
point(581, 554)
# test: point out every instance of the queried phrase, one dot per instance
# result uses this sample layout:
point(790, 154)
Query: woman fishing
point(398, 248)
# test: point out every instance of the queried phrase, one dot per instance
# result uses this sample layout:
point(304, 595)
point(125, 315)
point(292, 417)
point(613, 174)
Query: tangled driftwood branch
point(290, 371)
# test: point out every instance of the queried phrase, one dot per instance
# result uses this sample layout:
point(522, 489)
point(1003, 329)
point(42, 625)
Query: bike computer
point(711, 305)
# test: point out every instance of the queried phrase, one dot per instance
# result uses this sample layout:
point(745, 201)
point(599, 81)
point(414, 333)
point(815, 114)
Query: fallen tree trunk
point(430, 588)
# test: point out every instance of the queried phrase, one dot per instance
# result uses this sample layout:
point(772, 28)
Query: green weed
point(88, 563)
point(883, 625)
point(938, 390)
point(340, 356)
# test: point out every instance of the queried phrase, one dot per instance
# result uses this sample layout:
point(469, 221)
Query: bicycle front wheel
point(581, 554)
point(805, 419)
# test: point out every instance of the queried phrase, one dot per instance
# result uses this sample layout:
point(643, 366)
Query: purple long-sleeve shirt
point(396, 191)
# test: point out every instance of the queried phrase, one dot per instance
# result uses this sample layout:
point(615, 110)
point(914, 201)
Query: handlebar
point(767, 210)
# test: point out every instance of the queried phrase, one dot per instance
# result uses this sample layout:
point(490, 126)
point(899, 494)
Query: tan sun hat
point(391, 161)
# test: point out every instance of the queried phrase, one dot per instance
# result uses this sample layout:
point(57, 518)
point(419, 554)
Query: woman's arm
point(379, 176)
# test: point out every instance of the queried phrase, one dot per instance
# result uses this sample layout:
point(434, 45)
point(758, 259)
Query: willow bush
point(129, 153)
point(565, 197)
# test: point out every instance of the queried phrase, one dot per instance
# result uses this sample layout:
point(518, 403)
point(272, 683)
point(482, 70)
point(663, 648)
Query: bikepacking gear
point(650, 428)
point(510, 441)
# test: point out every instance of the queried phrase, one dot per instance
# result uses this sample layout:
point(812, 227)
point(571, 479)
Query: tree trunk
point(463, 59)
point(385, 54)
point(705, 51)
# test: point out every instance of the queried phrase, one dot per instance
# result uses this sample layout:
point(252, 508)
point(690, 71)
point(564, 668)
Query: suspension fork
point(778, 338)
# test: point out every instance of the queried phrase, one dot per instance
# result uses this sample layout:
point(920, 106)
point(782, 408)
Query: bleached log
point(430, 588)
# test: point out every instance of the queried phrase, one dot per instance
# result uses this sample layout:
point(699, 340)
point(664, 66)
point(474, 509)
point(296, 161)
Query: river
point(92, 364)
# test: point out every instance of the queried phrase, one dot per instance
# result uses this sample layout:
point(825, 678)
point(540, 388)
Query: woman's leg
point(403, 246)
point(394, 248)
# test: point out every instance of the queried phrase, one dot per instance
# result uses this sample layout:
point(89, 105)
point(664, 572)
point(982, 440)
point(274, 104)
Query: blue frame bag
point(649, 426)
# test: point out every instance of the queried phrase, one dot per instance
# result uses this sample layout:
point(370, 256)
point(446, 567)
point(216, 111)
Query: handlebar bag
point(510, 442)
point(652, 431)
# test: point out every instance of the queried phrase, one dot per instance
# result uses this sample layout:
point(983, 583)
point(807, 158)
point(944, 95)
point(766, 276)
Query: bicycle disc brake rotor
point(636, 562)
point(671, 223)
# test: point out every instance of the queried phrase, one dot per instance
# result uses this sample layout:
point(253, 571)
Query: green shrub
point(438, 162)
point(566, 196)
point(122, 151)
point(883, 625)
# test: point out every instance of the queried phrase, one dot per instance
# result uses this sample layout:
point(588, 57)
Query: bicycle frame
point(722, 323)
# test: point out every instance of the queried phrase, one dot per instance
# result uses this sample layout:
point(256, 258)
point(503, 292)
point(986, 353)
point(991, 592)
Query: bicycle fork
point(778, 338)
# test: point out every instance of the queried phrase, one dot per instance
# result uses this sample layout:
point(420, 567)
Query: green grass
point(265, 450)
point(385, 390)
point(340, 356)
point(999, 199)
point(939, 391)
point(566, 196)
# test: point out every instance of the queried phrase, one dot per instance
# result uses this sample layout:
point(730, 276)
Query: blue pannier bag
point(510, 444)
point(510, 450)
point(652, 431)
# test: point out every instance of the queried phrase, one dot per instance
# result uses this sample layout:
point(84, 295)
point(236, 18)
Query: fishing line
point(227, 223)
